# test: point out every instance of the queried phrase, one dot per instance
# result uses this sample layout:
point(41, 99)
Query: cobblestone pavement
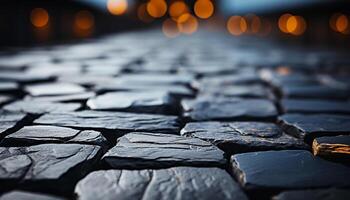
point(136, 116)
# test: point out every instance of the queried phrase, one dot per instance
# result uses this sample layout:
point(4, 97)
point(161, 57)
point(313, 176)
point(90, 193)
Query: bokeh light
point(236, 25)
point(203, 9)
point(292, 24)
point(255, 24)
point(157, 8)
point(187, 24)
point(117, 7)
point(340, 23)
point(84, 20)
point(170, 28)
point(282, 22)
point(142, 13)
point(39, 17)
point(177, 9)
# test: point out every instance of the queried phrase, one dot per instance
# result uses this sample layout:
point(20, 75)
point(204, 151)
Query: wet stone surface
point(114, 121)
point(337, 147)
point(43, 167)
point(204, 109)
point(175, 183)
point(234, 137)
point(157, 150)
point(290, 169)
point(31, 135)
point(310, 126)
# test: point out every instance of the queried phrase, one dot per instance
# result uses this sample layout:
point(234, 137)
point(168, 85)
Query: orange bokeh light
point(84, 20)
point(157, 8)
point(177, 8)
point(293, 24)
point(187, 24)
point(142, 13)
point(39, 17)
point(342, 24)
point(236, 25)
point(117, 7)
point(170, 28)
point(203, 9)
point(255, 24)
point(282, 22)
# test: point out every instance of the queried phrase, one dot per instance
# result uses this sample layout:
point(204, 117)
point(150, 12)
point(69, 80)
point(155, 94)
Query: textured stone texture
point(156, 150)
point(21, 195)
point(332, 147)
point(30, 135)
point(9, 120)
point(174, 183)
point(204, 109)
point(234, 137)
point(306, 126)
point(290, 169)
point(44, 167)
point(115, 121)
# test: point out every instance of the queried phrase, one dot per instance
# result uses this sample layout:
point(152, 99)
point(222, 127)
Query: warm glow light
point(236, 25)
point(203, 8)
point(142, 13)
point(170, 28)
point(117, 7)
point(283, 70)
point(255, 24)
point(157, 8)
point(291, 24)
point(282, 22)
point(187, 24)
point(177, 8)
point(342, 23)
point(84, 20)
point(39, 17)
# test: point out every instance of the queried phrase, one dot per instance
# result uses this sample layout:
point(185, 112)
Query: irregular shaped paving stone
point(41, 107)
point(156, 102)
point(235, 137)
point(156, 79)
point(204, 109)
point(124, 122)
point(315, 106)
point(5, 99)
point(9, 121)
point(251, 91)
point(79, 97)
point(320, 194)
point(309, 126)
point(316, 92)
point(288, 169)
point(44, 167)
point(8, 87)
point(30, 135)
point(157, 150)
point(21, 195)
point(48, 89)
point(173, 183)
point(333, 147)
point(23, 77)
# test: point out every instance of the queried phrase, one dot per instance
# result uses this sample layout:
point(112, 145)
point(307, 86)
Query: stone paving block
point(48, 89)
point(156, 150)
point(31, 135)
point(172, 183)
point(22, 195)
point(156, 102)
point(320, 194)
point(158, 79)
point(5, 99)
point(235, 137)
point(23, 77)
point(250, 91)
point(79, 97)
point(288, 169)
point(44, 167)
point(204, 109)
point(316, 92)
point(315, 106)
point(113, 121)
point(9, 121)
point(332, 146)
point(40, 107)
point(310, 126)
point(8, 87)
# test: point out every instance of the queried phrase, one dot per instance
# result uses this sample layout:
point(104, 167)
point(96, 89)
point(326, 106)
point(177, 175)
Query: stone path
point(136, 116)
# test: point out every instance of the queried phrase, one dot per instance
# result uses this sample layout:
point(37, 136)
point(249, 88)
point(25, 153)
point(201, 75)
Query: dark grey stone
point(79, 97)
point(315, 92)
point(310, 126)
point(22, 195)
point(156, 102)
point(320, 194)
point(248, 91)
point(8, 87)
point(178, 183)
point(9, 121)
point(315, 106)
point(234, 137)
point(30, 135)
point(288, 169)
point(41, 107)
point(336, 147)
point(114, 121)
point(44, 167)
point(50, 89)
point(211, 108)
point(157, 150)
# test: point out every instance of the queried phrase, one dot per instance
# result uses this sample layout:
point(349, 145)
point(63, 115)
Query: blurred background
point(43, 22)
